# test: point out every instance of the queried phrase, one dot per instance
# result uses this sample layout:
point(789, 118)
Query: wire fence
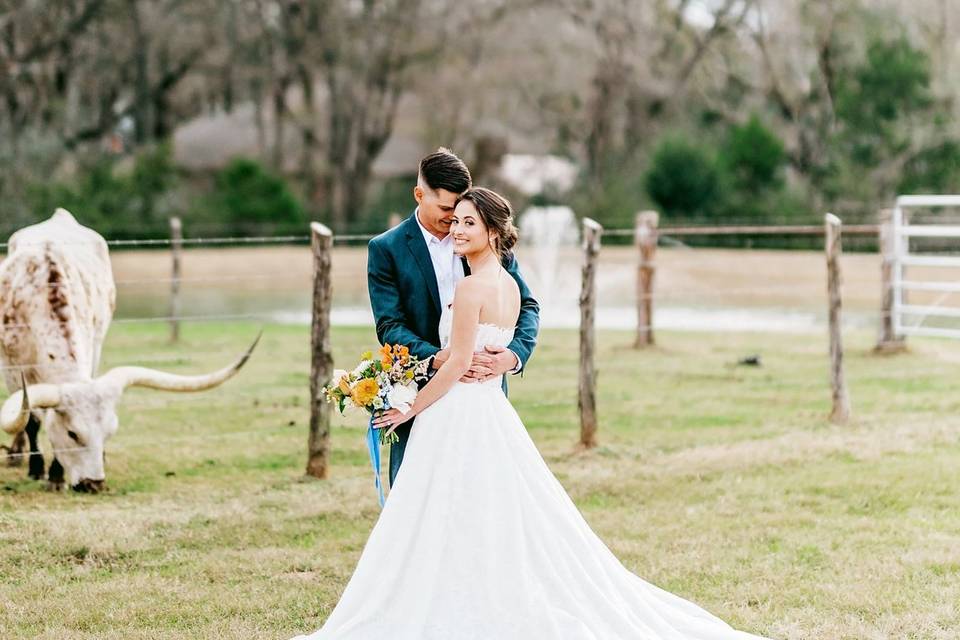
point(272, 281)
point(294, 280)
point(214, 241)
point(674, 232)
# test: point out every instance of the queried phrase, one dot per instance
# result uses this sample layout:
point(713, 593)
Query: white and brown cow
point(57, 297)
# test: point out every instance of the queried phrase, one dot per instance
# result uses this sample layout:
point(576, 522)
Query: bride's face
point(470, 235)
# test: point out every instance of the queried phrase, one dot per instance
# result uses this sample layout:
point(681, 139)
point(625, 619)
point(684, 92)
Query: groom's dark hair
point(442, 169)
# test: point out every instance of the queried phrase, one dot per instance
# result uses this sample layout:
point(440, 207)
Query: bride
point(478, 540)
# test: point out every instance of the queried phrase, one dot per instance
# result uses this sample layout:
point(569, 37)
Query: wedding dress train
point(479, 541)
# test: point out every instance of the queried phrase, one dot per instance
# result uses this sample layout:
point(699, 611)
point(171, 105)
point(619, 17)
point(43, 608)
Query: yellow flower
point(365, 391)
point(344, 386)
point(366, 355)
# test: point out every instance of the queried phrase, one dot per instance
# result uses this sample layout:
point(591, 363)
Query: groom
point(411, 275)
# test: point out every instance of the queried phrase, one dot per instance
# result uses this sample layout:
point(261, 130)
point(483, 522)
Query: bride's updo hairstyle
point(497, 216)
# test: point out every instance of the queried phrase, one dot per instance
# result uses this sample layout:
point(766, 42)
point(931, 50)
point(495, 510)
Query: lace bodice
point(487, 333)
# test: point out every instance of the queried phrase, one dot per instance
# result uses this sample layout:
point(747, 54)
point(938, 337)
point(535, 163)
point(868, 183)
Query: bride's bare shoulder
point(470, 287)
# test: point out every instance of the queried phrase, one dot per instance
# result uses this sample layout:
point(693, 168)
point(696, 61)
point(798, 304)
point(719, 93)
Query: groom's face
point(436, 209)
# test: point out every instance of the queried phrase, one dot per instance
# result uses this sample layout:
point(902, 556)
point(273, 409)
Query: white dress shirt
point(448, 268)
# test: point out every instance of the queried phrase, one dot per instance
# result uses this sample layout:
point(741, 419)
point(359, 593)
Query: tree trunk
point(256, 94)
point(279, 120)
point(141, 65)
point(599, 138)
point(308, 137)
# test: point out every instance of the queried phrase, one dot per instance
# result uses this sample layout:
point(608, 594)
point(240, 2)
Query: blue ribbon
point(373, 445)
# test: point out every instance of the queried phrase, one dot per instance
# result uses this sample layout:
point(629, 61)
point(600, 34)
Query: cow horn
point(16, 410)
point(153, 379)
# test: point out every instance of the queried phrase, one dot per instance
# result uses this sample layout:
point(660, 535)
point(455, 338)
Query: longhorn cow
point(57, 298)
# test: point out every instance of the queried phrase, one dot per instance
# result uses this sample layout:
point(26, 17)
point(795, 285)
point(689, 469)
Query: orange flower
point(365, 391)
point(386, 353)
point(385, 358)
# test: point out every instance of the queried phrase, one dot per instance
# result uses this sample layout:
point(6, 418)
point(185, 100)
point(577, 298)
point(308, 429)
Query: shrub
point(253, 200)
point(754, 156)
point(683, 179)
point(114, 202)
point(933, 170)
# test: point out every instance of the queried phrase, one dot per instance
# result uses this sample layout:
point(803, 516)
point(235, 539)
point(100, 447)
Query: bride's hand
point(391, 419)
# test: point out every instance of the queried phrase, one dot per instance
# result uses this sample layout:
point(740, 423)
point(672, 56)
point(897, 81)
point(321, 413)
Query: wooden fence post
point(889, 341)
point(176, 247)
point(587, 399)
point(394, 220)
point(645, 237)
point(321, 363)
point(840, 411)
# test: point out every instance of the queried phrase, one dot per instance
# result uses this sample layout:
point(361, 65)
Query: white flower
point(401, 397)
point(338, 374)
point(378, 403)
point(361, 368)
point(422, 369)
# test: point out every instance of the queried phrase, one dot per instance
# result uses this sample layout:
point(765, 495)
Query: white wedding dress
point(479, 541)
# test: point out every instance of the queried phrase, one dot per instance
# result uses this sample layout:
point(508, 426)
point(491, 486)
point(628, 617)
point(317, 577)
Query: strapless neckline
point(488, 333)
point(495, 326)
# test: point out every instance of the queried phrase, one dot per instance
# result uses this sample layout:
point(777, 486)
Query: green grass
point(724, 484)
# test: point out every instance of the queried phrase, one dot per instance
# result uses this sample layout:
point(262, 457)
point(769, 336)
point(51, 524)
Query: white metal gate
point(903, 231)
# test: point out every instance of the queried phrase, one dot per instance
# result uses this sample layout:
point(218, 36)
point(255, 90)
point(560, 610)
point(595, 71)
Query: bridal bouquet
point(388, 381)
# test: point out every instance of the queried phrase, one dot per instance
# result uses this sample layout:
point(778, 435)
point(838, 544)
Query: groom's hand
point(439, 358)
point(506, 360)
point(489, 363)
point(481, 368)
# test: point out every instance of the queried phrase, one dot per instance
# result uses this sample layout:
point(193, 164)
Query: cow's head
point(81, 416)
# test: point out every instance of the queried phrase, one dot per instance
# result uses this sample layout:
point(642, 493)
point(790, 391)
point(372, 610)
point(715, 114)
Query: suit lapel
point(418, 247)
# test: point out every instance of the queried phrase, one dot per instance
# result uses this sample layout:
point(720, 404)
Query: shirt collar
point(428, 237)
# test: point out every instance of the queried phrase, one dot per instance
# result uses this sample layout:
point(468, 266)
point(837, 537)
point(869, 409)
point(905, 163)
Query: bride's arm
point(466, 318)
point(467, 302)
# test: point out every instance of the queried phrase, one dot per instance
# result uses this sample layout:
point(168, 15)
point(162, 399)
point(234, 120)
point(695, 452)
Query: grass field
point(721, 483)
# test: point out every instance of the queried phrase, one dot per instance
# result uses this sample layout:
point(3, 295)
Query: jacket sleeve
point(528, 323)
point(387, 305)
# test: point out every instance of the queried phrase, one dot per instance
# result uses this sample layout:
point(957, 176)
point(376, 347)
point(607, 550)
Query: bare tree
point(645, 58)
point(352, 64)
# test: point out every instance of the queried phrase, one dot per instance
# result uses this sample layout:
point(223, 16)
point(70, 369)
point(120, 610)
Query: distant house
point(207, 143)
point(532, 174)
